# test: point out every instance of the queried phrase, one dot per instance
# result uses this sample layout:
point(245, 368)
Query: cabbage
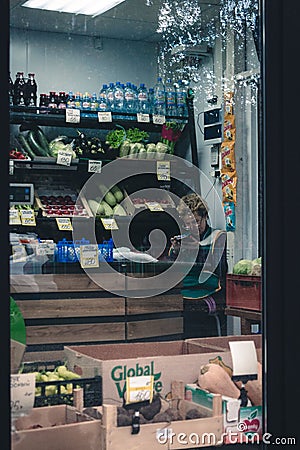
point(58, 144)
point(243, 267)
point(257, 260)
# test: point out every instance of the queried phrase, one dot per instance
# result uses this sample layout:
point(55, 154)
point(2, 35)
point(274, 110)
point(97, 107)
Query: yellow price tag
point(14, 217)
point(27, 217)
point(64, 223)
point(154, 206)
point(109, 224)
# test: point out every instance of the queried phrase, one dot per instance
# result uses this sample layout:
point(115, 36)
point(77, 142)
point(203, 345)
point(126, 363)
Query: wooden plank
point(159, 303)
point(156, 327)
point(75, 307)
point(63, 283)
point(68, 334)
point(54, 355)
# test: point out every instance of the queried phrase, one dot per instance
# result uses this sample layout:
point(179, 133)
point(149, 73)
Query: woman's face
point(195, 223)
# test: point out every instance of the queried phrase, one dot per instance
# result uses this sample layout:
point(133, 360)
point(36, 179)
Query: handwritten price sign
point(158, 120)
point(143, 118)
point(64, 157)
point(163, 170)
point(89, 256)
point(104, 116)
point(22, 392)
point(110, 224)
point(94, 166)
point(72, 115)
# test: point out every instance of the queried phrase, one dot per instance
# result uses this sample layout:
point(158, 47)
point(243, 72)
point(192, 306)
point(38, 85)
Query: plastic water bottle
point(159, 98)
point(103, 98)
point(94, 102)
point(110, 98)
point(181, 99)
point(119, 97)
point(143, 100)
point(86, 102)
point(170, 98)
point(78, 100)
point(70, 100)
point(129, 100)
point(135, 95)
point(151, 100)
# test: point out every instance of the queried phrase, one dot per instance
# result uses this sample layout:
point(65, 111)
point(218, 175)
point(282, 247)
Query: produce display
point(60, 373)
point(62, 205)
point(248, 267)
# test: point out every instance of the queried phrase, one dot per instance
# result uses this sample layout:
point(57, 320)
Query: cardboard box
point(56, 427)
point(243, 291)
point(222, 343)
point(114, 362)
point(240, 424)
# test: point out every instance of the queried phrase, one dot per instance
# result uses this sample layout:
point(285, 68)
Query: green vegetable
point(142, 153)
point(94, 205)
point(25, 146)
point(116, 137)
point(118, 210)
point(57, 144)
point(125, 148)
point(116, 191)
point(135, 135)
point(257, 260)
point(34, 144)
point(108, 211)
point(110, 199)
point(43, 140)
point(243, 267)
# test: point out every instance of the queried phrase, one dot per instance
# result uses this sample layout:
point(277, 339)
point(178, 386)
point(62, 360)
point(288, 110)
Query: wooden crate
point(150, 437)
point(56, 427)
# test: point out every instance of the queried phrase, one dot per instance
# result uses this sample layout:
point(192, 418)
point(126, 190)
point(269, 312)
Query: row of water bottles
point(128, 98)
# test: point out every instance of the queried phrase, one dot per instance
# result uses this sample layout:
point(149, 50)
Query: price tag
point(94, 166)
point(14, 217)
point(72, 115)
point(104, 116)
point(22, 393)
point(154, 206)
point(64, 157)
point(143, 118)
point(27, 217)
point(163, 170)
point(139, 389)
point(11, 167)
point(64, 223)
point(109, 224)
point(158, 120)
point(89, 256)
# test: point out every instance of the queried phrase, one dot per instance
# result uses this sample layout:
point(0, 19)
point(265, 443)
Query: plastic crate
point(69, 251)
point(92, 387)
point(243, 291)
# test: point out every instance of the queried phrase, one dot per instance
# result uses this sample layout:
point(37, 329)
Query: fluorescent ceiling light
point(87, 7)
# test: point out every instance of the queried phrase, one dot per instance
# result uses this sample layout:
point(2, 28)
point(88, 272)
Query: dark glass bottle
point(53, 100)
point(62, 100)
point(19, 89)
point(43, 105)
point(31, 91)
point(10, 90)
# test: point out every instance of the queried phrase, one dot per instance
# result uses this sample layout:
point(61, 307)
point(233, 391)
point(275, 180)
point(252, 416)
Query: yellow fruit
point(51, 390)
point(44, 377)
